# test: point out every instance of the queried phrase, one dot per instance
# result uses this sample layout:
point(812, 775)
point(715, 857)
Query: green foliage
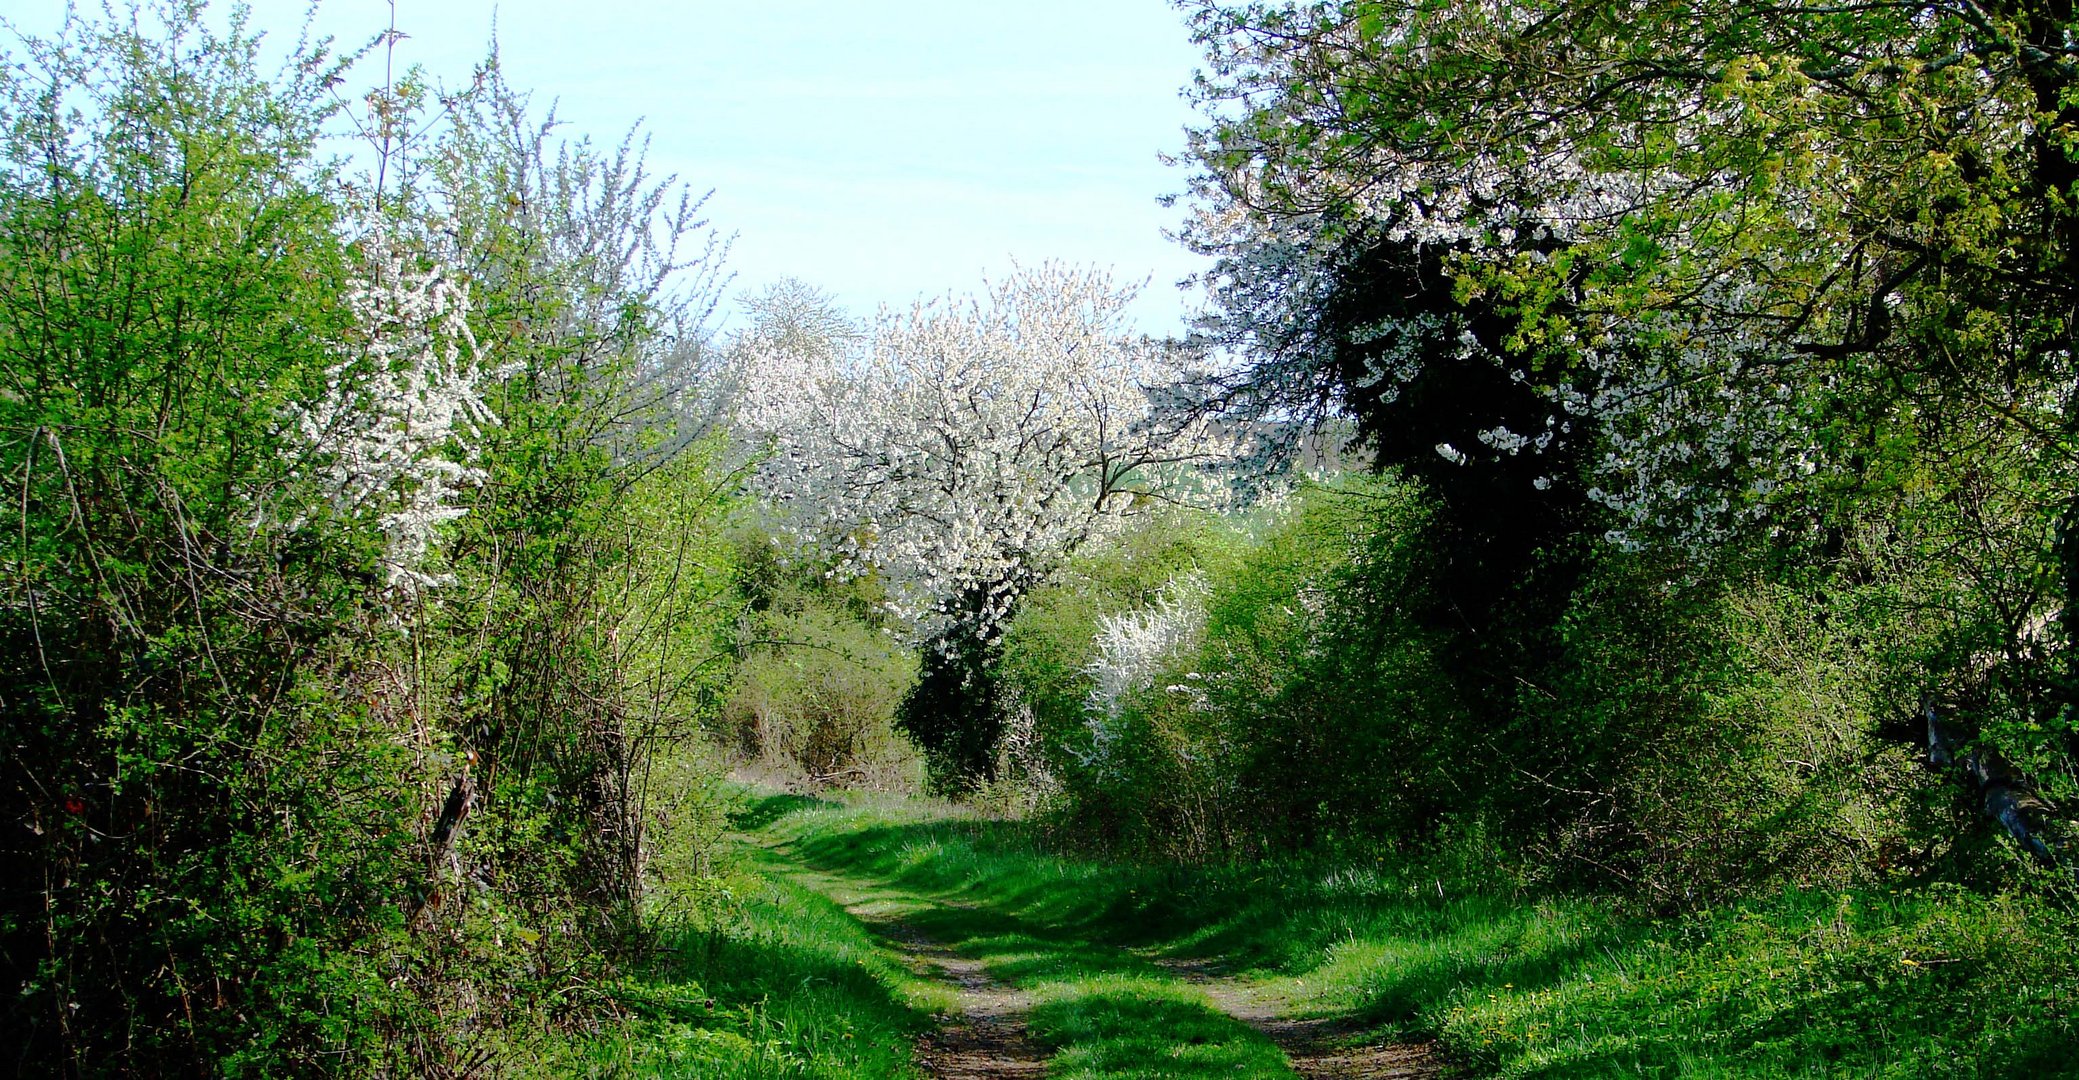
point(1050, 646)
point(203, 802)
point(1759, 739)
point(586, 629)
point(1324, 682)
point(954, 709)
point(285, 810)
point(1681, 740)
point(280, 808)
point(1779, 293)
point(1273, 724)
point(815, 698)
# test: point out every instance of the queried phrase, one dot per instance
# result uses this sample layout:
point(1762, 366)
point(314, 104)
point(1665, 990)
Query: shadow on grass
point(1104, 1011)
point(1020, 950)
point(759, 811)
point(1874, 982)
point(1119, 1028)
point(789, 986)
point(1263, 920)
point(705, 975)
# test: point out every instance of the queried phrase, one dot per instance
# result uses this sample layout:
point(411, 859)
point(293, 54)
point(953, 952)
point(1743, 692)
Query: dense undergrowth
point(364, 561)
point(1302, 679)
point(1905, 982)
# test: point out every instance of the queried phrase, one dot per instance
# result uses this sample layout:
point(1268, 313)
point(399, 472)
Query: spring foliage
point(1759, 292)
point(357, 574)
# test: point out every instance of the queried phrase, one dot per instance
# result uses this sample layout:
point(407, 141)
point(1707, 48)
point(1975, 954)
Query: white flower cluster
point(1483, 204)
point(1699, 438)
point(1134, 648)
point(962, 449)
point(395, 432)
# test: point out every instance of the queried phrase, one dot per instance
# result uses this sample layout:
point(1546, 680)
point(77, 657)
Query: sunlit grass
point(1120, 1026)
point(1894, 984)
point(1103, 1010)
point(781, 982)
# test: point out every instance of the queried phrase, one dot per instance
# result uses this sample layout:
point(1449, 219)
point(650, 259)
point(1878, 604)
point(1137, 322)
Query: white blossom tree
point(1729, 282)
point(1716, 236)
point(963, 448)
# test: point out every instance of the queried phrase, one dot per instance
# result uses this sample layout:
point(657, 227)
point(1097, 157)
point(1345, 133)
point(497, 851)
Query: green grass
point(1898, 984)
point(776, 981)
point(1100, 1010)
point(1121, 1026)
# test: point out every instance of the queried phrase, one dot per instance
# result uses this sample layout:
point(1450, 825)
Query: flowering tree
point(1732, 241)
point(962, 449)
point(1706, 278)
point(1721, 236)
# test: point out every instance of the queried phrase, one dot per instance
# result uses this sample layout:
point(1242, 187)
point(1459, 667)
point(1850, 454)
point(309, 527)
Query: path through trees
point(1030, 991)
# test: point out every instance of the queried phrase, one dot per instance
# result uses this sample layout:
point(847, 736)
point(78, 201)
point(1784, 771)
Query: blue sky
point(880, 150)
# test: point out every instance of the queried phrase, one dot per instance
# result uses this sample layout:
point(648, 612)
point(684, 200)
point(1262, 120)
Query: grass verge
point(769, 980)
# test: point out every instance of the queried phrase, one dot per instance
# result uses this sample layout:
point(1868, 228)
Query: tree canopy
point(1739, 270)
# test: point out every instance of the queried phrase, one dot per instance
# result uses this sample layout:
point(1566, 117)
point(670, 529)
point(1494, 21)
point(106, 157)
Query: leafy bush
point(814, 699)
point(1183, 682)
point(1052, 643)
point(202, 780)
point(1291, 682)
point(363, 563)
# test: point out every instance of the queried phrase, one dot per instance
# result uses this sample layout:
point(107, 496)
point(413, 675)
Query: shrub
point(815, 701)
point(362, 564)
point(1291, 682)
point(204, 782)
point(1186, 679)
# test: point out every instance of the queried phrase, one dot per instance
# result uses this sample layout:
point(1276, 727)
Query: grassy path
point(887, 940)
point(986, 1033)
point(1036, 995)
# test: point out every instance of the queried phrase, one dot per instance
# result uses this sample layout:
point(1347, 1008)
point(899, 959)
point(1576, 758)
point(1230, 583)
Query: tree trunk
point(2003, 794)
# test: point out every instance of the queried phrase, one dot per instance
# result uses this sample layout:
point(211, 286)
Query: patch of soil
point(988, 1039)
point(971, 1050)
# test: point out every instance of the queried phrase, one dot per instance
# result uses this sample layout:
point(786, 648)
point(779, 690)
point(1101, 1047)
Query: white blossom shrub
point(1135, 649)
point(395, 432)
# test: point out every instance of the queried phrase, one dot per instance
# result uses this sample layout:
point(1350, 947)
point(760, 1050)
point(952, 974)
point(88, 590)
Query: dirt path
point(985, 1038)
point(988, 1038)
point(1319, 1048)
